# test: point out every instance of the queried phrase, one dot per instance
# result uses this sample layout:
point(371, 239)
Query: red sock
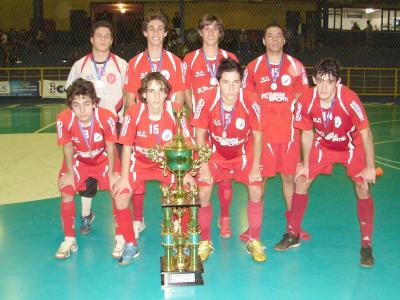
point(114, 209)
point(365, 211)
point(205, 217)
point(137, 203)
point(299, 205)
point(225, 197)
point(255, 215)
point(68, 218)
point(124, 220)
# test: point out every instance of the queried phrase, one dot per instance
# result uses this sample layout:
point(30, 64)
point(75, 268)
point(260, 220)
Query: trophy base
point(185, 278)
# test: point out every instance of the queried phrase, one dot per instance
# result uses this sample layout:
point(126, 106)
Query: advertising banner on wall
point(19, 88)
point(54, 89)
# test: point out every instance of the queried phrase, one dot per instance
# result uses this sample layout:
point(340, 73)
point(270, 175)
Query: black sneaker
point(86, 222)
point(367, 259)
point(289, 240)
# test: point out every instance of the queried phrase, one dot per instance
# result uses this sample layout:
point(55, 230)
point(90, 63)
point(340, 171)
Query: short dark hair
point(81, 87)
point(208, 20)
point(229, 65)
point(274, 24)
point(102, 23)
point(327, 66)
point(155, 15)
point(153, 76)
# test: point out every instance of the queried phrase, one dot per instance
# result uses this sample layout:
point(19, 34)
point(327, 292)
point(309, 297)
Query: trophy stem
point(193, 240)
point(167, 261)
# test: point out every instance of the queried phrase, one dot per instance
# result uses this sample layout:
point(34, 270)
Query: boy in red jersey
point(146, 125)
point(107, 72)
point(279, 79)
point(342, 135)
point(200, 69)
point(231, 116)
point(153, 59)
point(88, 134)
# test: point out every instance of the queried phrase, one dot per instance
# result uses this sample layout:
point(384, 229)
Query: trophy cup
point(180, 265)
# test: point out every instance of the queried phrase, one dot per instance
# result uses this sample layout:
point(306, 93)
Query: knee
point(205, 196)
point(255, 193)
point(122, 201)
point(67, 197)
point(302, 185)
point(361, 191)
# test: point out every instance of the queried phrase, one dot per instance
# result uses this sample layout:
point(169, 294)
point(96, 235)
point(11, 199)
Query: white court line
point(45, 127)
point(385, 164)
point(380, 122)
point(388, 160)
point(13, 105)
point(385, 142)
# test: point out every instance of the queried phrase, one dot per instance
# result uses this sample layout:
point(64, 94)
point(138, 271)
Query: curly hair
point(81, 87)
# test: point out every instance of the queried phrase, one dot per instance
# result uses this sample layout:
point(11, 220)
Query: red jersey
point(89, 143)
point(245, 117)
point(198, 72)
point(140, 66)
point(336, 128)
point(142, 133)
point(277, 98)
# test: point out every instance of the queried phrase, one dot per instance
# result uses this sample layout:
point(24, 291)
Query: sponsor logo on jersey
point(89, 77)
point(111, 78)
point(141, 150)
point(166, 135)
point(166, 74)
point(142, 75)
point(240, 123)
point(357, 109)
point(229, 142)
point(97, 137)
point(198, 109)
point(111, 123)
point(298, 113)
point(217, 122)
point(265, 79)
point(90, 154)
point(127, 120)
point(203, 89)
point(75, 140)
point(316, 120)
point(286, 80)
point(59, 129)
point(199, 74)
point(142, 133)
point(334, 137)
point(338, 121)
point(275, 97)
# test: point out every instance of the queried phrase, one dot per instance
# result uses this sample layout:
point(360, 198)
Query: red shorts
point(322, 160)
point(82, 172)
point(280, 158)
point(139, 176)
point(237, 169)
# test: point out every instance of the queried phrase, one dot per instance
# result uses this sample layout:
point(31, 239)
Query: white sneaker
point(119, 246)
point(138, 227)
point(67, 246)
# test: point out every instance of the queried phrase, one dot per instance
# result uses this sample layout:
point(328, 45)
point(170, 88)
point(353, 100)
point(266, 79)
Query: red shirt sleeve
point(63, 133)
point(301, 85)
point(178, 82)
point(302, 119)
point(132, 81)
point(202, 114)
point(108, 121)
point(187, 72)
point(248, 78)
point(127, 134)
point(357, 113)
point(254, 111)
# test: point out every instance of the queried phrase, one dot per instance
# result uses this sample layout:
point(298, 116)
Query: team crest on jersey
point(338, 121)
point(111, 122)
point(240, 123)
point(97, 137)
point(298, 112)
point(286, 80)
point(59, 129)
point(166, 74)
point(166, 135)
point(357, 109)
point(127, 120)
point(198, 109)
point(111, 78)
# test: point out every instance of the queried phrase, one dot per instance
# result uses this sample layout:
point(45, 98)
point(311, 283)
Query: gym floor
point(326, 267)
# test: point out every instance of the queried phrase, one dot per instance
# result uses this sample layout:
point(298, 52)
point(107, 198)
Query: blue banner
point(20, 88)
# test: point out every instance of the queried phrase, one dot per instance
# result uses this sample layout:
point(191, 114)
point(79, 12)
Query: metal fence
point(38, 33)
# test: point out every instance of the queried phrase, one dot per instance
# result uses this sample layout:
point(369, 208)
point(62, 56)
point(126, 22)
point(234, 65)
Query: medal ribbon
point(228, 117)
point(99, 74)
point(274, 78)
point(153, 69)
point(329, 114)
point(213, 72)
point(88, 142)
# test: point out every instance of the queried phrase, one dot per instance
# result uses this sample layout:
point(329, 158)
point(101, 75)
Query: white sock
point(86, 206)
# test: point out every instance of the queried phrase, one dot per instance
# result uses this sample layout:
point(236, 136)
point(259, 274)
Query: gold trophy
point(180, 265)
